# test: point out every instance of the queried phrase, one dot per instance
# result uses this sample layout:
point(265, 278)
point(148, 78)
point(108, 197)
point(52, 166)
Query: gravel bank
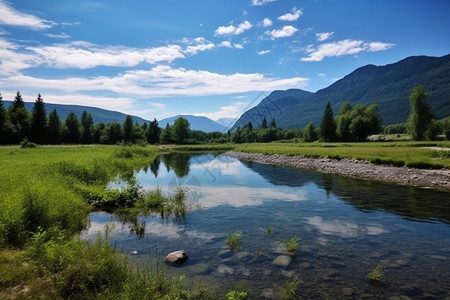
point(359, 169)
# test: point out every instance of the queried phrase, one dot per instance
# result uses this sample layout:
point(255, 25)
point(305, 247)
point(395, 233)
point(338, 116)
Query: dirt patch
point(359, 169)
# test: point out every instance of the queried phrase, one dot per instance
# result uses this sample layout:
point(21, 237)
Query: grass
point(289, 289)
point(234, 241)
point(375, 275)
point(292, 246)
point(408, 153)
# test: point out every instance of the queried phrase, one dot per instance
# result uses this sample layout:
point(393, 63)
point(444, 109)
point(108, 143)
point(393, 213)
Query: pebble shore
point(359, 169)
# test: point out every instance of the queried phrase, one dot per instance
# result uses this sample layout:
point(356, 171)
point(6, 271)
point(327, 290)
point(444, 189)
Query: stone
point(282, 261)
point(176, 257)
point(347, 291)
point(306, 265)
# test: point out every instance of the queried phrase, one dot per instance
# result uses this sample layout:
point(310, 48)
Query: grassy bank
point(44, 196)
point(409, 154)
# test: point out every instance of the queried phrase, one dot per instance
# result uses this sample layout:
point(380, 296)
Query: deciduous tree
point(421, 117)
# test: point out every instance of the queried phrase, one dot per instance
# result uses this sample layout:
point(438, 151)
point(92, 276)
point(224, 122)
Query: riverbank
point(359, 169)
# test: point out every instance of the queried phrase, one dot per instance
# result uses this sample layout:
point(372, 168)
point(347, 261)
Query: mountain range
point(196, 123)
point(387, 86)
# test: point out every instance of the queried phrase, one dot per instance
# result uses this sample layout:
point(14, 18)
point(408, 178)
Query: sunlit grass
point(414, 154)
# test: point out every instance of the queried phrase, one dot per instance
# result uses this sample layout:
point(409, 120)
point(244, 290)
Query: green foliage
point(181, 130)
point(309, 133)
point(237, 295)
point(292, 246)
point(71, 130)
point(355, 124)
point(39, 130)
point(328, 125)
point(289, 289)
point(234, 241)
point(376, 274)
point(421, 117)
point(127, 129)
point(27, 144)
point(54, 128)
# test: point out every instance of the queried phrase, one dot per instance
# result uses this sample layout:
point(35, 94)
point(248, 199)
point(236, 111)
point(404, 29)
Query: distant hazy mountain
point(227, 122)
point(196, 123)
point(271, 107)
point(388, 86)
point(99, 115)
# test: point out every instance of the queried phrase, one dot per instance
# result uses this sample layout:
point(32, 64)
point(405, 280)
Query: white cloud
point(267, 22)
point(238, 46)
point(197, 45)
point(323, 36)
point(226, 44)
point(12, 17)
point(159, 81)
point(234, 111)
point(232, 30)
point(344, 47)
point(286, 31)
point(261, 2)
point(263, 52)
point(80, 57)
point(62, 35)
point(296, 13)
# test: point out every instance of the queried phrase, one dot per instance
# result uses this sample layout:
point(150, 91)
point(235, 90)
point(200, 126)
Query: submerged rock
point(282, 261)
point(176, 257)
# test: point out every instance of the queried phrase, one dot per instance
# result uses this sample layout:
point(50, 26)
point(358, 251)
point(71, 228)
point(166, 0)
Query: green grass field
point(410, 154)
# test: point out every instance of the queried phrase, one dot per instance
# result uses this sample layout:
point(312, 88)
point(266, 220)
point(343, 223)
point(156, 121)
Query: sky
point(161, 58)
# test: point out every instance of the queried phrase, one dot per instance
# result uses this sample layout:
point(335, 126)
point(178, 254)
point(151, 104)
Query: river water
point(346, 228)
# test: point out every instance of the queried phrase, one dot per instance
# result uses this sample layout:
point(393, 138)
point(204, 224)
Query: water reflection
point(346, 228)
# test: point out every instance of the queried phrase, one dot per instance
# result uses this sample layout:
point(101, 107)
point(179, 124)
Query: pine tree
point(273, 124)
point(54, 128)
point(39, 129)
point(2, 122)
point(153, 132)
point(264, 123)
point(19, 118)
point(166, 135)
point(87, 127)
point(328, 125)
point(127, 128)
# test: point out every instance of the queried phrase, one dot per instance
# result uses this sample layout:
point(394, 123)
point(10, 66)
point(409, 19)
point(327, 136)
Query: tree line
point(351, 124)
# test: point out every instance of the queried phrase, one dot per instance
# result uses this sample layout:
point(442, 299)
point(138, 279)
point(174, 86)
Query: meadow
point(47, 192)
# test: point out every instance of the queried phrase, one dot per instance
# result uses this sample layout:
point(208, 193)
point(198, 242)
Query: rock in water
point(176, 257)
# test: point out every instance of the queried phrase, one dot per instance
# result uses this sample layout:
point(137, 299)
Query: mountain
point(99, 115)
point(388, 86)
point(227, 122)
point(271, 107)
point(196, 123)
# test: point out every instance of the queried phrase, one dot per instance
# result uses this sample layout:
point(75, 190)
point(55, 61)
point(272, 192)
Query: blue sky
point(157, 59)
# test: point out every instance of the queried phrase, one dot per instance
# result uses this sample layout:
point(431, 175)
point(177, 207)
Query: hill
point(388, 86)
point(99, 115)
point(197, 123)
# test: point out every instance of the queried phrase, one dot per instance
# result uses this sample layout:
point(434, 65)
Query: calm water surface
point(345, 228)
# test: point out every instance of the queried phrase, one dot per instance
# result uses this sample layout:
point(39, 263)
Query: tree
point(87, 127)
point(39, 129)
point(181, 130)
point(264, 123)
point(328, 125)
point(54, 128)
point(72, 129)
point(2, 122)
point(273, 124)
point(309, 132)
point(166, 135)
point(19, 118)
point(127, 128)
point(113, 133)
point(153, 132)
point(421, 117)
